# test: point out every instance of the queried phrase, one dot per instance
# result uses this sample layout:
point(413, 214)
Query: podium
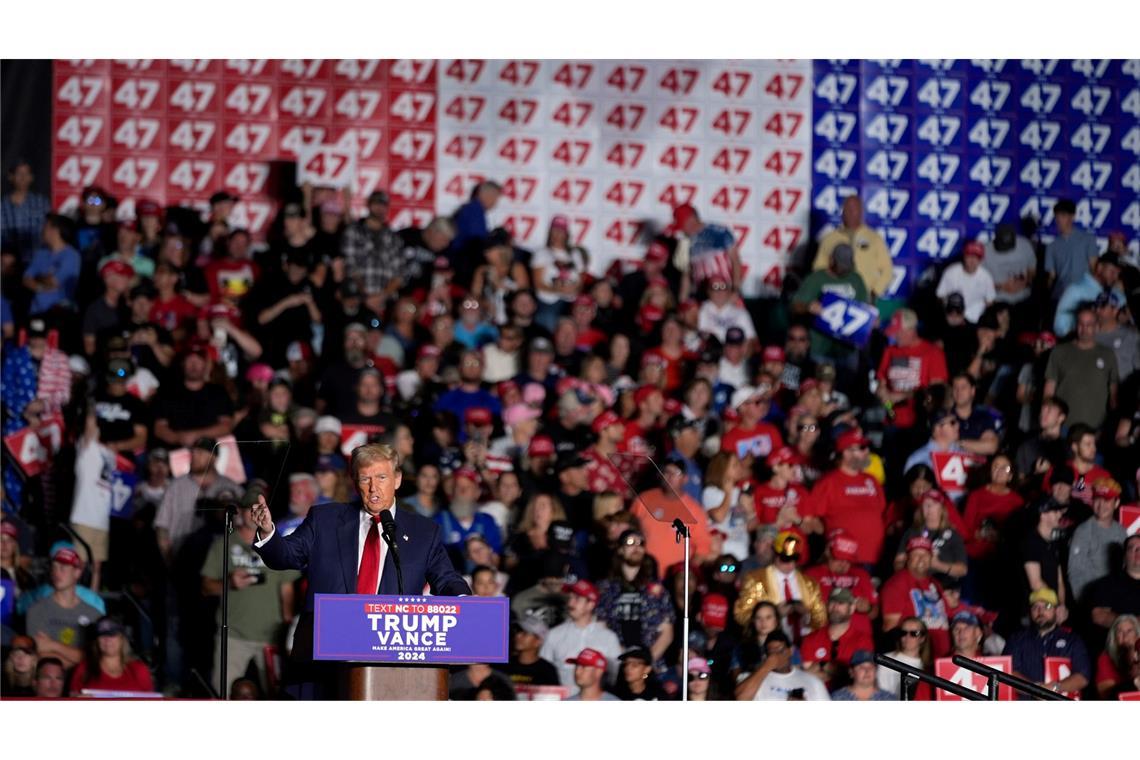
point(399, 647)
point(395, 682)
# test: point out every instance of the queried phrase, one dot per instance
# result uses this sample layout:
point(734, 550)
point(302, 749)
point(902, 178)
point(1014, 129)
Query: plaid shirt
point(371, 256)
point(22, 224)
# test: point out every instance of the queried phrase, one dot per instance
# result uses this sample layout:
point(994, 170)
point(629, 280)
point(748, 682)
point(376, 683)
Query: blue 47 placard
point(846, 320)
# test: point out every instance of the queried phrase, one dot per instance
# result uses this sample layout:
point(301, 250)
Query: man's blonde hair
point(370, 453)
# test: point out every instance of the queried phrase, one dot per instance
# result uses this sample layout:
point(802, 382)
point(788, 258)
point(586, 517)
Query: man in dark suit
point(340, 548)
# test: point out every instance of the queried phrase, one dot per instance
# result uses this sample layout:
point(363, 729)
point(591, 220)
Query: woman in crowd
point(1118, 667)
point(932, 520)
point(109, 665)
point(913, 648)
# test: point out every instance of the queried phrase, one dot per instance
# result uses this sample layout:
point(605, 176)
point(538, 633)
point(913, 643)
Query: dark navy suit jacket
point(324, 546)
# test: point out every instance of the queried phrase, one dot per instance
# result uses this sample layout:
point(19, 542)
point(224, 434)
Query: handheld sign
point(1130, 519)
point(951, 470)
point(411, 629)
point(1058, 669)
point(352, 436)
point(845, 320)
point(33, 449)
point(944, 667)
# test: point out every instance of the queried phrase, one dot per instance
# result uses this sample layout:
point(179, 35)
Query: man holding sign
point(340, 544)
point(839, 280)
point(1045, 637)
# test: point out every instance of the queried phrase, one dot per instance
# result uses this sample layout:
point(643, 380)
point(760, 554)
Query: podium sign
point(411, 629)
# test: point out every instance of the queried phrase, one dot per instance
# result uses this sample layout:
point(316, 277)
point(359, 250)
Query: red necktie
point(368, 579)
point(793, 617)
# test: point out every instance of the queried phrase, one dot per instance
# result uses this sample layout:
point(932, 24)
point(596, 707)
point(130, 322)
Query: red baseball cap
point(682, 214)
point(604, 420)
point(68, 556)
point(1047, 338)
point(582, 588)
point(469, 473)
point(9, 529)
point(773, 354)
point(851, 438)
point(1106, 488)
point(807, 385)
point(782, 455)
point(585, 300)
point(642, 394)
point(116, 266)
point(714, 610)
point(657, 252)
point(974, 248)
point(559, 222)
point(505, 387)
point(590, 658)
point(148, 208)
point(478, 415)
point(428, 351)
point(938, 495)
point(842, 545)
point(919, 542)
point(541, 446)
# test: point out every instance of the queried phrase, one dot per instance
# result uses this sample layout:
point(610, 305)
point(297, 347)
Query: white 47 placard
point(326, 166)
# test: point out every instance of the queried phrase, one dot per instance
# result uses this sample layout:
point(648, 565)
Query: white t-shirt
point(91, 505)
point(556, 266)
point(889, 680)
point(716, 321)
point(776, 687)
point(734, 525)
point(977, 289)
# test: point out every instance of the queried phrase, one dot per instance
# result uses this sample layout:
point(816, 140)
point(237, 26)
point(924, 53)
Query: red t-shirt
point(983, 504)
point(905, 595)
point(759, 441)
point(856, 504)
point(674, 368)
point(817, 645)
point(1082, 484)
point(135, 677)
point(856, 580)
point(174, 313)
point(1106, 670)
point(770, 500)
point(908, 369)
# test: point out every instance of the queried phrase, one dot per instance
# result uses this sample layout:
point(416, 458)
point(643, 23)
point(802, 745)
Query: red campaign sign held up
point(951, 470)
point(1130, 519)
point(33, 449)
point(352, 436)
point(945, 668)
point(1058, 669)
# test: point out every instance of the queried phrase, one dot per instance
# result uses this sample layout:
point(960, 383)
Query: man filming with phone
point(261, 600)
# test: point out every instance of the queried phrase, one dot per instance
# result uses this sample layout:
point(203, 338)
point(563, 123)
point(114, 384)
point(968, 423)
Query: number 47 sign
point(846, 320)
point(326, 166)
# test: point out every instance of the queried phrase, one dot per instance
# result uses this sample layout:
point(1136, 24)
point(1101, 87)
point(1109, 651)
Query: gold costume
point(760, 586)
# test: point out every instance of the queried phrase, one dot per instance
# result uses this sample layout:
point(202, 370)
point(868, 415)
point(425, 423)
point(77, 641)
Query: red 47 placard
point(944, 667)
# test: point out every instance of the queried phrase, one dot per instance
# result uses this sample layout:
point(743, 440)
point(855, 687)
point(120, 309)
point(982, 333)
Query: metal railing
point(1018, 684)
point(911, 674)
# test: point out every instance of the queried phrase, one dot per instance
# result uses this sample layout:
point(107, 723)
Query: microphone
point(388, 532)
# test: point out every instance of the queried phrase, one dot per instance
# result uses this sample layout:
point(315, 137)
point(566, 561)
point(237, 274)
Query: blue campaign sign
point(122, 493)
point(846, 320)
point(411, 629)
point(7, 601)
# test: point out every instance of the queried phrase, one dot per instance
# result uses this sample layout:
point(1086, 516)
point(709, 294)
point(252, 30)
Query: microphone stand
point(229, 509)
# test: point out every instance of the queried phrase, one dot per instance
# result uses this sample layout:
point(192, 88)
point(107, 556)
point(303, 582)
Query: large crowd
point(952, 485)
